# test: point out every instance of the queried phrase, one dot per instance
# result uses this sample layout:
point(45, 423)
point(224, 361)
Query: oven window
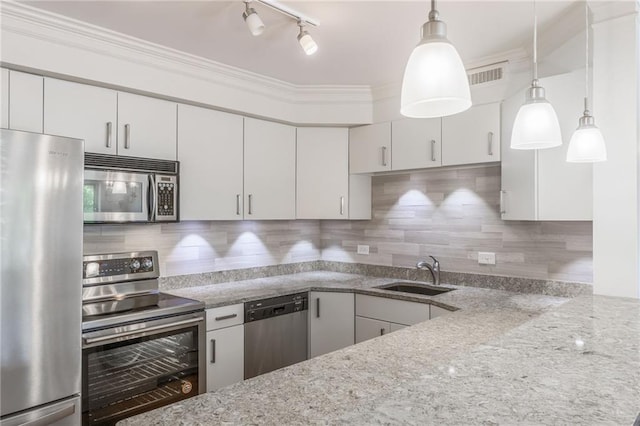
point(112, 196)
point(127, 378)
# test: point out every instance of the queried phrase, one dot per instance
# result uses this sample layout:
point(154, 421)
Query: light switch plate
point(486, 258)
point(363, 249)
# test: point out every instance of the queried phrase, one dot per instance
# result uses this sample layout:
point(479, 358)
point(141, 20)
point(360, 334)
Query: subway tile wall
point(197, 247)
point(448, 213)
point(453, 214)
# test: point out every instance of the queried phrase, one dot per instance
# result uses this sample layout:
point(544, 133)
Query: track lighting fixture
point(308, 44)
point(255, 24)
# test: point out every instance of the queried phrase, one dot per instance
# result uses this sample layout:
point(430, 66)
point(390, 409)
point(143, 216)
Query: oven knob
point(147, 263)
point(134, 265)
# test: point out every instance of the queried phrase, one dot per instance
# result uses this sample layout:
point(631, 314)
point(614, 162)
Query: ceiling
point(360, 42)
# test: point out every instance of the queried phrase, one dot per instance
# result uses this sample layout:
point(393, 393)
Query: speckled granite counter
point(503, 358)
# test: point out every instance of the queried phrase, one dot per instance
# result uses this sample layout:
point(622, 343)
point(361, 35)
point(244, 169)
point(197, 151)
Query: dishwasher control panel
point(275, 306)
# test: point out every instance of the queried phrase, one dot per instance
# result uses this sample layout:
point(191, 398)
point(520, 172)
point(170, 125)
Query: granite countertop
point(502, 358)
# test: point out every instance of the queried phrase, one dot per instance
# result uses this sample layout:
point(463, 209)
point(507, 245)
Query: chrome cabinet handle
point(213, 351)
point(109, 125)
point(490, 143)
point(139, 333)
point(503, 210)
point(250, 197)
point(384, 156)
point(433, 150)
point(127, 136)
point(238, 204)
point(318, 307)
point(226, 317)
point(382, 331)
point(342, 206)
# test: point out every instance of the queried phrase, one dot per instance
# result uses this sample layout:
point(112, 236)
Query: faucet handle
point(436, 263)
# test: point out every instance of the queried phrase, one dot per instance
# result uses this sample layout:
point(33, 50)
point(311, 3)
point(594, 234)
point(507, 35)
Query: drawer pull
point(382, 331)
point(226, 317)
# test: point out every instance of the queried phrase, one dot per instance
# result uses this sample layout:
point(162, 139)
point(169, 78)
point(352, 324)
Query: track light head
point(255, 24)
point(306, 41)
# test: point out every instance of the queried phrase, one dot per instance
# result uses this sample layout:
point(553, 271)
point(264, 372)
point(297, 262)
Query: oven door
point(127, 370)
point(114, 196)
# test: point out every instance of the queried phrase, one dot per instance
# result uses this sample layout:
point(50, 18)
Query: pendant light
point(536, 125)
point(435, 82)
point(587, 144)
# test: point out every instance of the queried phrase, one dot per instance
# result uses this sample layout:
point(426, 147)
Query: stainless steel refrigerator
point(41, 281)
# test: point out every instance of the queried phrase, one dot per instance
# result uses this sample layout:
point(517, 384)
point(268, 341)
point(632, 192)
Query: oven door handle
point(116, 337)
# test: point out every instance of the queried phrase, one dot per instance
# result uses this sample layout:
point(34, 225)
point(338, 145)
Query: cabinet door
point(392, 310)
point(322, 182)
point(437, 311)
point(368, 328)
point(370, 148)
point(4, 97)
point(331, 322)
point(25, 101)
point(269, 170)
point(225, 357)
point(395, 327)
point(472, 136)
point(146, 127)
point(210, 155)
point(416, 143)
point(83, 112)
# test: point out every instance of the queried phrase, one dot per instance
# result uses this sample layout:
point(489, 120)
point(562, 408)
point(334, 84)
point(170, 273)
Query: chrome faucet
point(434, 269)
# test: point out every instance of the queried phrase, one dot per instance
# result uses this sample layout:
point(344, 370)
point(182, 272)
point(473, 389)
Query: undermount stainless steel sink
point(408, 287)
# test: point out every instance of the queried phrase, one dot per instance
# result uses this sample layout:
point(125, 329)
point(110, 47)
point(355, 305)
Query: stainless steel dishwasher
point(275, 333)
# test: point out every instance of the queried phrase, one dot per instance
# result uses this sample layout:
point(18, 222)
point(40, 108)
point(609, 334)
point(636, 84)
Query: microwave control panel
point(167, 202)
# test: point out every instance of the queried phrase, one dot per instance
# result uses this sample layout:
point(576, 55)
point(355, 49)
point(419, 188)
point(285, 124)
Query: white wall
point(617, 181)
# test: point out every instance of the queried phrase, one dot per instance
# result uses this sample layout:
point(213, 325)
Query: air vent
point(113, 162)
point(486, 74)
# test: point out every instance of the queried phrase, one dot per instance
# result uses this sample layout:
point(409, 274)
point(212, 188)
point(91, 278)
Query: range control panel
point(120, 264)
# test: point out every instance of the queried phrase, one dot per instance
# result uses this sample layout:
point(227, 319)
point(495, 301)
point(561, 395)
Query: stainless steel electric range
point(141, 349)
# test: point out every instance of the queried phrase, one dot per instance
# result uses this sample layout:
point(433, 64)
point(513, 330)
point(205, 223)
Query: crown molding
point(43, 27)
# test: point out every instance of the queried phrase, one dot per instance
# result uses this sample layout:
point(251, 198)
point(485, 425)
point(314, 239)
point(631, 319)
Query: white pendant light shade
point(586, 145)
point(536, 126)
point(435, 82)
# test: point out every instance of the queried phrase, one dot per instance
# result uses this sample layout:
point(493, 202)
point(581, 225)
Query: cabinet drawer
point(225, 316)
point(392, 310)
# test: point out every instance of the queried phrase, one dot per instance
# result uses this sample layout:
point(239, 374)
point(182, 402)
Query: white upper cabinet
point(269, 170)
point(540, 184)
point(370, 148)
point(4, 97)
point(25, 101)
point(473, 136)
point(81, 111)
point(146, 127)
point(210, 149)
point(416, 143)
point(322, 173)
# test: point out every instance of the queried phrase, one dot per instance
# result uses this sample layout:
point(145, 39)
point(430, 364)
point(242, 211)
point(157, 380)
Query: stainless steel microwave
point(128, 189)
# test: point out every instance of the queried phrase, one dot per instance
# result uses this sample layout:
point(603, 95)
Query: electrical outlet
point(363, 249)
point(486, 258)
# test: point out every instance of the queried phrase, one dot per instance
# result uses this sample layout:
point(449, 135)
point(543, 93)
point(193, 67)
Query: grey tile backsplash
point(449, 213)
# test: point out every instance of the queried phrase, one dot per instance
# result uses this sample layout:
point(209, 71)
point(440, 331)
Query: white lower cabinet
point(225, 346)
point(331, 325)
point(377, 316)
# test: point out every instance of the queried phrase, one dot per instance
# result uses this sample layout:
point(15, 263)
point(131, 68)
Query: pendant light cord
point(535, 42)
point(586, 55)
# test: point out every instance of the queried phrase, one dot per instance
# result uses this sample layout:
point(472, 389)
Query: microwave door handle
point(153, 196)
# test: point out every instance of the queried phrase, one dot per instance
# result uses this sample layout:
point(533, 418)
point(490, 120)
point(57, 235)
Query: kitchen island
point(502, 358)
